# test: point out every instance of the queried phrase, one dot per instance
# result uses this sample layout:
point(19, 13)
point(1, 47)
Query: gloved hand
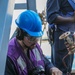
point(55, 71)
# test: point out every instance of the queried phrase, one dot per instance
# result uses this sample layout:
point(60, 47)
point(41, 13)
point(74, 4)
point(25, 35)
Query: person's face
point(30, 41)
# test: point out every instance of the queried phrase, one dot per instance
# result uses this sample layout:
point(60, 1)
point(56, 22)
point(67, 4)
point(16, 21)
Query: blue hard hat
point(30, 22)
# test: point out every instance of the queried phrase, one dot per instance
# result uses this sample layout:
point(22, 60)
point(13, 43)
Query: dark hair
point(20, 34)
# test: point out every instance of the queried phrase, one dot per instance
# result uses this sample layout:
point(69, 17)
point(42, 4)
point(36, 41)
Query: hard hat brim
point(36, 34)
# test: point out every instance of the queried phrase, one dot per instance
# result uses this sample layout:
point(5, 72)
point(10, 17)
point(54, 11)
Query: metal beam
point(6, 12)
point(31, 5)
point(19, 6)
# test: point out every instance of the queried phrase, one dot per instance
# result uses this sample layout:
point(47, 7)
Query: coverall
point(59, 50)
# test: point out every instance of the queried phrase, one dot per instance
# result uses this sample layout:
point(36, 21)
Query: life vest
point(20, 60)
